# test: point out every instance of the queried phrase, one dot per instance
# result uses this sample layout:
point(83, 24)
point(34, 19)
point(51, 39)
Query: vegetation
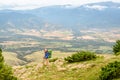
point(111, 71)
point(116, 48)
point(81, 56)
point(53, 59)
point(59, 70)
point(5, 70)
point(88, 66)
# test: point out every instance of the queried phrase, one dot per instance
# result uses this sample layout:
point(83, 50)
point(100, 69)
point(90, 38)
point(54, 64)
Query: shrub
point(116, 47)
point(118, 53)
point(53, 59)
point(81, 56)
point(5, 70)
point(111, 71)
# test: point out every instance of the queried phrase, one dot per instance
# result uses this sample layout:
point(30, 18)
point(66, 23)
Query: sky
point(31, 4)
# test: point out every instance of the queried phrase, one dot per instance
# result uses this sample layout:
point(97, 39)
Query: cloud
point(97, 7)
point(31, 4)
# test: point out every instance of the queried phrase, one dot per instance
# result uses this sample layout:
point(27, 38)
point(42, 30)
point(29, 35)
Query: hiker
point(46, 57)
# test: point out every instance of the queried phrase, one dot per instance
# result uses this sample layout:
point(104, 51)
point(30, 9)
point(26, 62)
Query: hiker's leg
point(47, 61)
point(44, 60)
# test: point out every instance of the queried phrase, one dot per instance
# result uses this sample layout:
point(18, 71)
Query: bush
point(111, 71)
point(118, 53)
point(116, 47)
point(81, 56)
point(5, 70)
point(53, 59)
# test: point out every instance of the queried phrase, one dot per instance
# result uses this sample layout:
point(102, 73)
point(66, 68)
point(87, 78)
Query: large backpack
point(50, 53)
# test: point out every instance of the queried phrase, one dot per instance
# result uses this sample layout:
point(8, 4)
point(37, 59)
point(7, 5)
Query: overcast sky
point(31, 4)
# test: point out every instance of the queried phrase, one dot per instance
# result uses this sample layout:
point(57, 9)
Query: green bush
point(111, 71)
point(116, 47)
point(5, 70)
point(118, 53)
point(53, 59)
point(81, 56)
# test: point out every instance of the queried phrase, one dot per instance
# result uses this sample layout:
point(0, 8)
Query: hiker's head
point(45, 50)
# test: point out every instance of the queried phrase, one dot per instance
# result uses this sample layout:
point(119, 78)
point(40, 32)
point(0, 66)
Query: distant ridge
point(60, 15)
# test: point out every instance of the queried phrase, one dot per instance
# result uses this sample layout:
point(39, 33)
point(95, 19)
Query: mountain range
point(98, 15)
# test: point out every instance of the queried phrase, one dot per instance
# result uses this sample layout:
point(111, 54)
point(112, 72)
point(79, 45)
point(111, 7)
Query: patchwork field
point(24, 43)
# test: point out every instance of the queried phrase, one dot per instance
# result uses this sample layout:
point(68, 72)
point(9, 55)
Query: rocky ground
point(61, 70)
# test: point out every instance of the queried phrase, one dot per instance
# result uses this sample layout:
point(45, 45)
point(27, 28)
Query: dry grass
point(59, 70)
point(11, 59)
point(37, 57)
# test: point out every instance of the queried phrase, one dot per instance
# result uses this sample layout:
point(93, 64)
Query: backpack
point(50, 53)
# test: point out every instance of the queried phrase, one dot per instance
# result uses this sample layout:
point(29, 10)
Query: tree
point(116, 47)
point(110, 71)
point(5, 70)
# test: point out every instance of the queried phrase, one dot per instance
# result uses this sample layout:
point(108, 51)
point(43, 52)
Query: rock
point(38, 66)
point(59, 62)
point(61, 69)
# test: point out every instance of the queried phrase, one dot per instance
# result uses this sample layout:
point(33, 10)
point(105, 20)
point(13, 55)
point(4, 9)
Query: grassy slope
point(59, 70)
point(37, 57)
point(11, 59)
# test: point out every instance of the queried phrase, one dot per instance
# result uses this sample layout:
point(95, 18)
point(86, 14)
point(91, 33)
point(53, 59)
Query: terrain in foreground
point(60, 70)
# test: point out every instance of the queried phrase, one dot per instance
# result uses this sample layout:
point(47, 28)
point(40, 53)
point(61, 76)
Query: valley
point(93, 39)
point(26, 43)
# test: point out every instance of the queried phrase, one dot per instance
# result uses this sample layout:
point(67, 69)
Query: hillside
point(12, 60)
point(37, 57)
point(60, 70)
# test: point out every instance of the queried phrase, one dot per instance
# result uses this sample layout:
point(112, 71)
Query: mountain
point(104, 14)
point(60, 18)
point(9, 19)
